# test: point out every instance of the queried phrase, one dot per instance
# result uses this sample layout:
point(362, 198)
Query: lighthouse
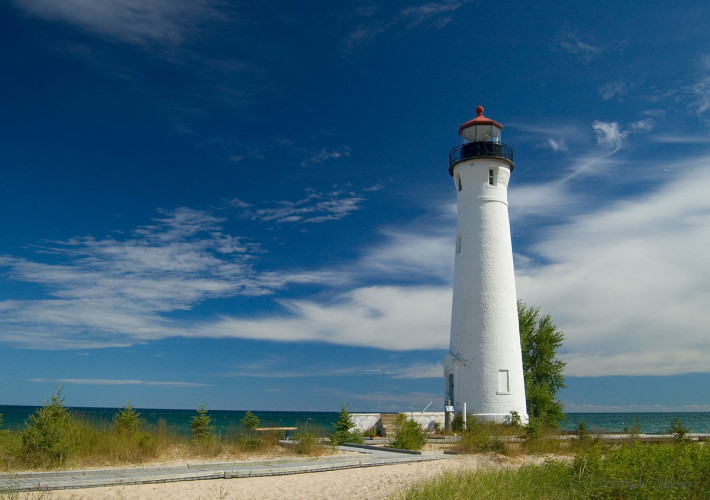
point(484, 368)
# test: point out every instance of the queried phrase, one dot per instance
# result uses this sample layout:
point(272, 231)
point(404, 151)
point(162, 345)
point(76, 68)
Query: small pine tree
point(128, 420)
point(250, 421)
point(582, 431)
point(408, 434)
point(342, 433)
point(679, 430)
point(47, 438)
point(201, 425)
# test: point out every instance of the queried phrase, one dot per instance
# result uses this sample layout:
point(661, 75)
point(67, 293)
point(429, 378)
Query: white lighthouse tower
point(484, 367)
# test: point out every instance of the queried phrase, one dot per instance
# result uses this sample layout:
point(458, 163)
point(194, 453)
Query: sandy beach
point(363, 483)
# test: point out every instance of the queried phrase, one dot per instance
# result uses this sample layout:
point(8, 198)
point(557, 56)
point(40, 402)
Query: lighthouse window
point(459, 187)
point(503, 382)
point(458, 244)
point(492, 176)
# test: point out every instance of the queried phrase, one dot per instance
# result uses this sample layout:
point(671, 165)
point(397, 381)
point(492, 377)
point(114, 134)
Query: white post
point(464, 416)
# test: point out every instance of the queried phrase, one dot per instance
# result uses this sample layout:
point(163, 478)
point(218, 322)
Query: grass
point(626, 471)
point(53, 438)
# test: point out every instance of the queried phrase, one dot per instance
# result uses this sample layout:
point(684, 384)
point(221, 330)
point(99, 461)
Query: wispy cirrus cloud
point(314, 208)
point(115, 291)
point(414, 15)
point(435, 14)
point(614, 89)
point(621, 279)
point(110, 382)
point(572, 42)
point(131, 21)
point(325, 155)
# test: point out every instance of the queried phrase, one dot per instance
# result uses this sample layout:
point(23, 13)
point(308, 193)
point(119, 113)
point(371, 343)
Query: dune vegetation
point(53, 437)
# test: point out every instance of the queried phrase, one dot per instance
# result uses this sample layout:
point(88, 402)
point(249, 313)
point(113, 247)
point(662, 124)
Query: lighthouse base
point(501, 418)
point(490, 395)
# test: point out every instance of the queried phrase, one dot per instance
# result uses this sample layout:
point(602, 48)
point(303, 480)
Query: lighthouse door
point(451, 388)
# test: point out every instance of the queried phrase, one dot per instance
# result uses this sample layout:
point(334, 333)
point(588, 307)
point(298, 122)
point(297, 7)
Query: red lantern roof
point(479, 120)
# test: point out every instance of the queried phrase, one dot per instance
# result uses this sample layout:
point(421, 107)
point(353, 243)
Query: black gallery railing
point(480, 150)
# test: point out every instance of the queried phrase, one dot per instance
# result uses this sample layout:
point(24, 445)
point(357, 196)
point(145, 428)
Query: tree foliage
point(48, 438)
point(250, 421)
point(540, 339)
point(408, 434)
point(128, 420)
point(343, 433)
point(201, 425)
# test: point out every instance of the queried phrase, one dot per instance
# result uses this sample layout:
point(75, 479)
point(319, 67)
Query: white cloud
point(133, 21)
point(415, 15)
point(314, 208)
point(91, 381)
point(385, 317)
point(628, 283)
point(412, 254)
point(614, 89)
point(325, 155)
point(111, 291)
point(608, 134)
point(572, 43)
point(363, 34)
point(557, 145)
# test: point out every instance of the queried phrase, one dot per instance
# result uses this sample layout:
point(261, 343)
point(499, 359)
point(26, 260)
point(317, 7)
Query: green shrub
point(49, 438)
point(634, 429)
point(343, 433)
point(202, 429)
point(635, 471)
point(457, 421)
point(477, 438)
point(679, 430)
point(128, 420)
point(306, 444)
point(408, 434)
point(250, 421)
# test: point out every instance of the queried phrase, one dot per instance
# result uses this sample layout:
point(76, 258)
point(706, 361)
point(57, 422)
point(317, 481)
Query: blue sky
point(247, 204)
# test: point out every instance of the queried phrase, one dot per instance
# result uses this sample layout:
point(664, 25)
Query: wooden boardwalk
point(43, 481)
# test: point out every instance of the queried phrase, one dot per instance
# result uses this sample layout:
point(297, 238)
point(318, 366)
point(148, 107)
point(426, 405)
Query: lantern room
point(480, 138)
point(480, 129)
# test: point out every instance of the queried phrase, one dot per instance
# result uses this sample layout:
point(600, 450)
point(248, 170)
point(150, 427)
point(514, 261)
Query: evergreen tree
point(540, 339)
point(250, 421)
point(201, 425)
point(342, 433)
point(128, 420)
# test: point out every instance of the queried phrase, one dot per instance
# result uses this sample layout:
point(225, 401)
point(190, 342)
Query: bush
point(201, 425)
point(306, 444)
point(408, 434)
point(477, 438)
point(636, 471)
point(457, 421)
point(49, 438)
point(250, 421)
point(128, 420)
point(343, 433)
point(679, 430)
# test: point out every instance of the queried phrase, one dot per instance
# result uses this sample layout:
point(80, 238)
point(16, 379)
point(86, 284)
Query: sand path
point(362, 483)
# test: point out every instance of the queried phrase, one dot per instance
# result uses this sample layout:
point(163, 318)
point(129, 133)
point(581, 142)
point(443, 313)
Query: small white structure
point(484, 367)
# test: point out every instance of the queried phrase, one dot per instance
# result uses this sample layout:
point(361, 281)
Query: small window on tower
point(458, 244)
point(459, 187)
point(492, 176)
point(503, 382)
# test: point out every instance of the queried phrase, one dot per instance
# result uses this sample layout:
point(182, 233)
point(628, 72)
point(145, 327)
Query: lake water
point(227, 422)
